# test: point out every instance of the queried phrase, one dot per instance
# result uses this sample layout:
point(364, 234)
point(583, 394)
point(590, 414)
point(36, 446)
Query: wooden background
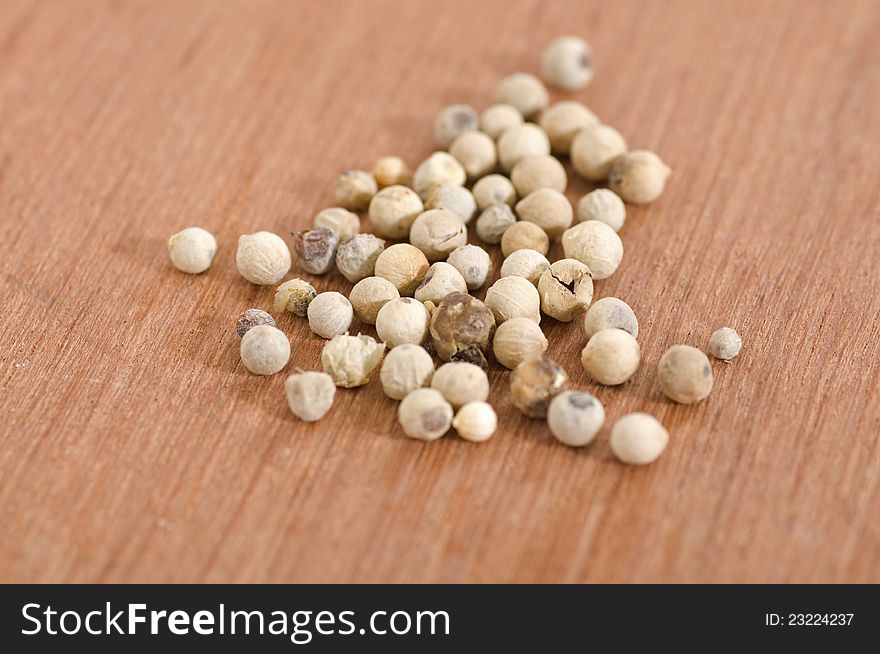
point(135, 447)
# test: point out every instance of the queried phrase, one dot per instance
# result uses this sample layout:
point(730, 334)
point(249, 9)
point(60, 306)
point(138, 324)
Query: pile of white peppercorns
point(501, 166)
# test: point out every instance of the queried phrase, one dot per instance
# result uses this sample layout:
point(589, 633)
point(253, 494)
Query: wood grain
point(135, 447)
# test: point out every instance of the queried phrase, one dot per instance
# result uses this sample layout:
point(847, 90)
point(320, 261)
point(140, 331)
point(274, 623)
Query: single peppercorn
point(517, 340)
point(493, 189)
point(568, 63)
point(638, 439)
point(602, 205)
point(476, 153)
point(595, 244)
point(534, 383)
point(356, 258)
point(594, 149)
point(524, 235)
point(611, 356)
point(575, 418)
point(294, 295)
point(610, 313)
point(441, 280)
point(315, 249)
point(264, 350)
point(310, 395)
point(514, 297)
point(562, 121)
point(391, 171)
point(521, 141)
point(405, 368)
point(403, 265)
point(262, 258)
point(538, 171)
point(725, 344)
point(497, 118)
point(685, 374)
point(439, 169)
point(548, 208)
point(461, 382)
point(566, 289)
point(393, 210)
point(252, 318)
point(355, 189)
point(350, 360)
point(402, 320)
point(493, 222)
point(330, 314)
point(424, 414)
point(453, 121)
point(474, 264)
point(369, 295)
point(456, 199)
point(192, 250)
point(437, 232)
point(523, 91)
point(461, 329)
point(343, 222)
point(526, 263)
point(475, 422)
point(639, 176)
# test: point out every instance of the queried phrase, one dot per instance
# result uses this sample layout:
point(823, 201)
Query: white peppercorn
point(461, 329)
point(315, 249)
point(538, 171)
point(294, 295)
point(456, 199)
point(350, 360)
point(548, 209)
point(594, 149)
point(521, 141)
point(639, 176)
point(497, 118)
point(402, 320)
point(526, 263)
point(441, 280)
point(356, 258)
point(725, 344)
point(264, 350)
point(610, 313)
point(405, 368)
point(534, 383)
point(192, 250)
point(475, 422)
point(568, 63)
point(369, 295)
point(493, 189)
point(453, 121)
point(437, 232)
point(611, 356)
point(517, 340)
point(424, 414)
point(330, 314)
point(562, 121)
point(342, 221)
point(403, 265)
point(355, 189)
point(493, 222)
point(523, 91)
point(460, 383)
point(638, 439)
point(438, 169)
point(514, 297)
point(391, 171)
point(393, 210)
point(262, 258)
point(476, 152)
point(685, 374)
point(474, 264)
point(575, 418)
point(595, 244)
point(602, 205)
point(524, 235)
point(252, 318)
point(566, 289)
point(310, 395)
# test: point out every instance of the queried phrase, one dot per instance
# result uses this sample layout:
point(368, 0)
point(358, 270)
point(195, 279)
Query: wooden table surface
point(135, 447)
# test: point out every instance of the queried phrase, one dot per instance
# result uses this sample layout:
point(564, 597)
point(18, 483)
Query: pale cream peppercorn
point(405, 368)
point(402, 320)
point(493, 222)
point(476, 152)
point(355, 189)
point(192, 250)
point(391, 171)
point(494, 189)
point(548, 209)
point(610, 313)
point(594, 149)
point(575, 418)
point(403, 265)
point(474, 264)
point(475, 422)
point(568, 63)
point(369, 295)
point(523, 91)
point(460, 383)
point(424, 414)
point(602, 205)
point(538, 171)
point(514, 297)
point(294, 295)
point(262, 258)
point(521, 141)
point(595, 244)
point(264, 350)
point(251, 318)
point(526, 263)
point(562, 121)
point(356, 258)
point(725, 344)
point(498, 117)
point(566, 289)
point(524, 235)
point(310, 395)
point(456, 199)
point(315, 249)
point(343, 222)
point(438, 169)
point(638, 439)
point(350, 360)
point(685, 374)
point(517, 340)
point(534, 383)
point(393, 210)
point(437, 232)
point(639, 176)
point(611, 356)
point(453, 121)
point(330, 314)
point(462, 328)
point(441, 280)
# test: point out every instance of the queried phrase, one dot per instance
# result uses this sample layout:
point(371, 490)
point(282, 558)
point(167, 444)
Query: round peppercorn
point(494, 189)
point(521, 141)
point(534, 383)
point(594, 149)
point(548, 209)
point(497, 118)
point(393, 210)
point(611, 356)
point(595, 244)
point(453, 121)
point(575, 418)
point(602, 205)
point(355, 189)
point(523, 91)
point(638, 177)
point(563, 120)
point(685, 374)
point(523, 235)
point(568, 63)
point(403, 265)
